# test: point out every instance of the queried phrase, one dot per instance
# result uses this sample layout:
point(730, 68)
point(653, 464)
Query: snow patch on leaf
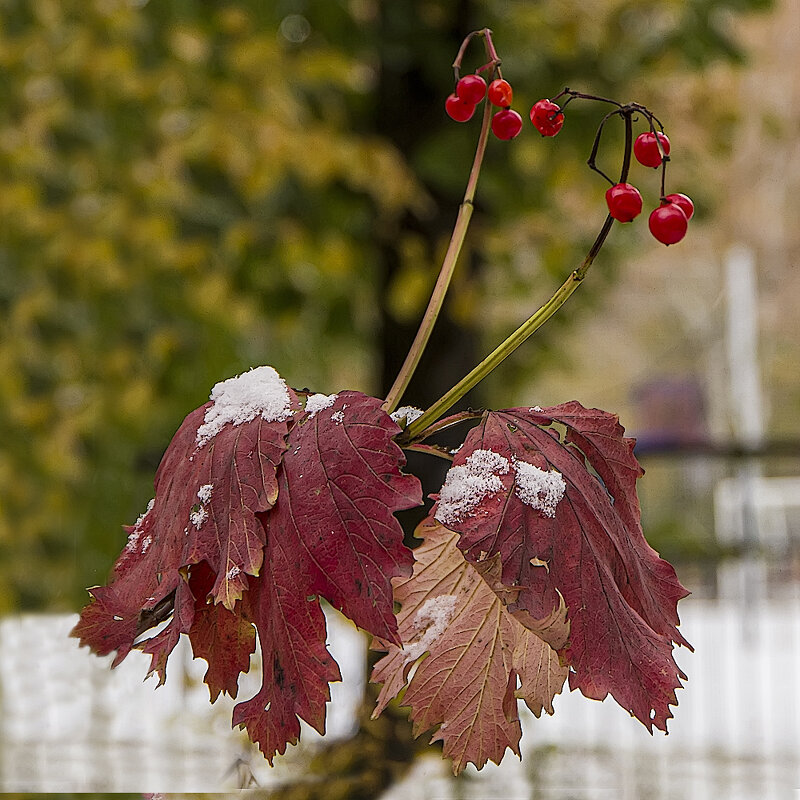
point(407, 413)
point(539, 489)
point(317, 402)
point(136, 531)
point(204, 493)
point(433, 618)
point(198, 517)
point(468, 484)
point(259, 392)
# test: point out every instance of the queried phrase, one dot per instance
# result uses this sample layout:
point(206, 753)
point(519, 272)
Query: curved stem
point(506, 348)
point(446, 273)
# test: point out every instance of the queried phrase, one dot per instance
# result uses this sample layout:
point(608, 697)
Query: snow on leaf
point(316, 402)
point(261, 392)
point(588, 557)
point(469, 483)
point(467, 685)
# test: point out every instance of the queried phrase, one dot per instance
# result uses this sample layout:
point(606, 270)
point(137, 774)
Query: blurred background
point(189, 189)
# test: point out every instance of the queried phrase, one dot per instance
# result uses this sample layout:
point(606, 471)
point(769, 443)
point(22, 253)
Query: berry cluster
point(471, 89)
point(668, 222)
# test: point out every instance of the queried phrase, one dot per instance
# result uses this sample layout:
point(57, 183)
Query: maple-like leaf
point(218, 472)
point(332, 533)
point(244, 537)
point(562, 516)
point(476, 652)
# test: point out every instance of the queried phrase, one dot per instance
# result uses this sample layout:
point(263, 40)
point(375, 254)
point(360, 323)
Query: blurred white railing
point(68, 724)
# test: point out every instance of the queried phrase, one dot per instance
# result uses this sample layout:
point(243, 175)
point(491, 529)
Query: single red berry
point(458, 109)
point(646, 149)
point(547, 117)
point(500, 93)
point(624, 202)
point(506, 124)
point(668, 223)
point(683, 202)
point(471, 89)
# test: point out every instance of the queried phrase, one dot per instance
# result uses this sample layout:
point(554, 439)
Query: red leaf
point(216, 475)
point(212, 533)
point(225, 639)
point(563, 535)
point(296, 665)
point(476, 651)
point(332, 533)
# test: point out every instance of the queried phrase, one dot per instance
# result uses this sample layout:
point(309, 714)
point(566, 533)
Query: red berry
point(506, 124)
point(646, 149)
point(471, 89)
point(547, 117)
point(624, 202)
point(683, 202)
point(668, 223)
point(500, 93)
point(458, 109)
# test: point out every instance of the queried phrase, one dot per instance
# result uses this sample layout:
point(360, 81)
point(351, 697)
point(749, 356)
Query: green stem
point(446, 273)
point(533, 323)
point(506, 348)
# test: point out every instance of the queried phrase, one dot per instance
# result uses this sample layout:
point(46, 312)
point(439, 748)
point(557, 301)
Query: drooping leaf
point(476, 651)
point(331, 534)
point(261, 509)
point(218, 472)
point(561, 514)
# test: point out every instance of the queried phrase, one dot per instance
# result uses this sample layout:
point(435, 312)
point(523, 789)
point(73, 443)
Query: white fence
point(68, 724)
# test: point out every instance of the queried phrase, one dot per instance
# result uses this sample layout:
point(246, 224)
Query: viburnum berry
point(547, 117)
point(624, 202)
point(471, 89)
point(683, 202)
point(506, 124)
point(645, 148)
point(458, 109)
point(500, 93)
point(668, 223)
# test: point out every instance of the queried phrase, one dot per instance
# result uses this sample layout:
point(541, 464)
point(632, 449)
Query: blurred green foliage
point(189, 189)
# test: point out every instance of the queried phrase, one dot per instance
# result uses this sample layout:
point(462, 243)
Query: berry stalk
point(453, 251)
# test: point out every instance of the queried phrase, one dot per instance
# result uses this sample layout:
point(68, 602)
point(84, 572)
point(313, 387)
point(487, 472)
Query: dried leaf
point(476, 651)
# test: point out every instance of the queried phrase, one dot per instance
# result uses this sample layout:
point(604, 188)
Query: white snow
point(539, 489)
point(316, 402)
point(198, 517)
point(259, 392)
point(204, 493)
point(468, 484)
point(232, 573)
point(433, 617)
point(337, 417)
point(409, 413)
point(136, 532)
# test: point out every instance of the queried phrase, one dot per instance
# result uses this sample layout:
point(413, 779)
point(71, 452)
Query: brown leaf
point(467, 684)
